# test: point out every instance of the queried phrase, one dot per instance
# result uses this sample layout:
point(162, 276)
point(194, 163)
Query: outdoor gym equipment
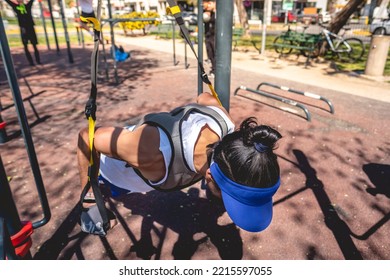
point(13, 230)
point(281, 99)
point(304, 93)
point(112, 22)
point(287, 100)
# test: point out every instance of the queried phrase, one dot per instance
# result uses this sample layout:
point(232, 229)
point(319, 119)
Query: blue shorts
point(115, 191)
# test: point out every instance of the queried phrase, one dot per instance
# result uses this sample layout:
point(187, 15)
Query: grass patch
point(247, 41)
point(360, 65)
point(16, 41)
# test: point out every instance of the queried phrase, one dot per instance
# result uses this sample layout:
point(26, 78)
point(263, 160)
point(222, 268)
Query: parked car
point(324, 17)
point(291, 17)
point(190, 17)
point(308, 19)
point(315, 18)
point(167, 19)
point(381, 27)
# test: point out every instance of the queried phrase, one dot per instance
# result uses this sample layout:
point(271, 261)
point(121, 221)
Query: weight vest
point(179, 174)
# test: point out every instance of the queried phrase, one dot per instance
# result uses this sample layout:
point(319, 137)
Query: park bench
point(290, 40)
point(237, 35)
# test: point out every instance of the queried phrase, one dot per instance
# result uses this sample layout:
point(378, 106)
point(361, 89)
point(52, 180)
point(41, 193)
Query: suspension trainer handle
point(90, 109)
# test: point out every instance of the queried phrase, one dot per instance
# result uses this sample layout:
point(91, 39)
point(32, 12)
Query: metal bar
point(18, 101)
point(44, 25)
point(2, 239)
point(9, 219)
point(116, 20)
point(81, 29)
point(186, 64)
point(104, 56)
point(3, 132)
point(200, 44)
point(281, 99)
point(223, 50)
point(175, 62)
point(304, 93)
point(112, 22)
point(53, 25)
point(70, 55)
point(8, 209)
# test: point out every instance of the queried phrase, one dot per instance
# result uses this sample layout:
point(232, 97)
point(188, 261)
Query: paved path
point(334, 200)
point(319, 74)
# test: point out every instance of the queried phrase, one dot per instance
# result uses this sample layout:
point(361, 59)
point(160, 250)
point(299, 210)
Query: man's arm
point(207, 99)
point(12, 4)
point(29, 4)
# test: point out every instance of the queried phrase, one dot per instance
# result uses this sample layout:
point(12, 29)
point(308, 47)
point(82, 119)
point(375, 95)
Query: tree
point(342, 17)
point(242, 15)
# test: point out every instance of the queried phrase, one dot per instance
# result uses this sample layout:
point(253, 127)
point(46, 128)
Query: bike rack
point(305, 93)
point(281, 99)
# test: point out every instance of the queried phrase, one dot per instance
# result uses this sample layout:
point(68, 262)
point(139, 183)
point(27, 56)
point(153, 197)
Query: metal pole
point(224, 32)
point(6, 249)
point(265, 23)
point(174, 42)
point(186, 65)
point(200, 43)
point(44, 24)
point(18, 101)
point(3, 124)
point(104, 54)
point(70, 56)
point(112, 23)
point(112, 41)
point(8, 209)
point(81, 30)
point(54, 26)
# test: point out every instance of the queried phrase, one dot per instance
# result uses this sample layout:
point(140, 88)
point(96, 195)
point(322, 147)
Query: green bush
point(138, 25)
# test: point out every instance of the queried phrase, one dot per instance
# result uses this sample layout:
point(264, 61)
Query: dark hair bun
point(262, 137)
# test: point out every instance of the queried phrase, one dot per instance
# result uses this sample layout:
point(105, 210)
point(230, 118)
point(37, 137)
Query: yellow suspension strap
point(90, 113)
point(174, 9)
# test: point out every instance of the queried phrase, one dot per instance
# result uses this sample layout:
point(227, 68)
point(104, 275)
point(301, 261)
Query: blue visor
point(249, 208)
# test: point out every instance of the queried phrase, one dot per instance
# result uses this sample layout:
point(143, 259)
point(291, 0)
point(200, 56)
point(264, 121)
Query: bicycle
point(347, 49)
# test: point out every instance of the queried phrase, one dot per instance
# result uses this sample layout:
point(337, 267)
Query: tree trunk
point(342, 18)
point(243, 17)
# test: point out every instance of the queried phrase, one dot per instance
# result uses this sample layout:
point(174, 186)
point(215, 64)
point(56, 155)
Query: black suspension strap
point(174, 9)
point(90, 113)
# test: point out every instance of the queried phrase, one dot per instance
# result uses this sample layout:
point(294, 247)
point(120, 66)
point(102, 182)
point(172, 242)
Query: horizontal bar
point(281, 99)
point(305, 93)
